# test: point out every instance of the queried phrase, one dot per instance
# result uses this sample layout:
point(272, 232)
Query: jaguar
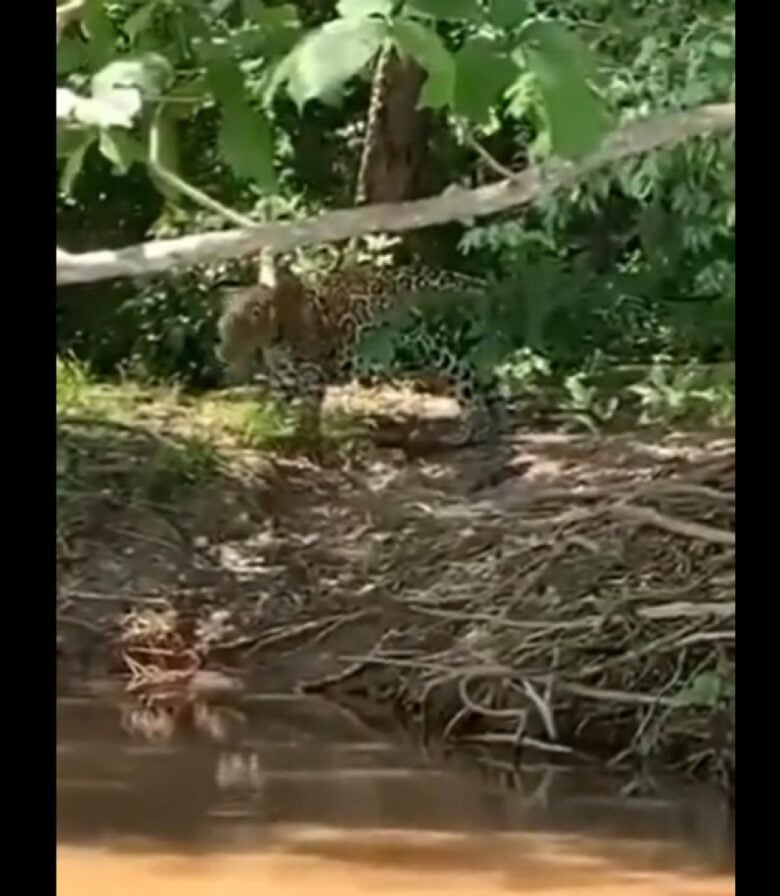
point(311, 335)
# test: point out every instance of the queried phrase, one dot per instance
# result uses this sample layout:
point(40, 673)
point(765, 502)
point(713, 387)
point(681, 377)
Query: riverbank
point(579, 605)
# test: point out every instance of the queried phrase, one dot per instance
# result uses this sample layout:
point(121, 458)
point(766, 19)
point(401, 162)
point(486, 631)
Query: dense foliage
point(261, 105)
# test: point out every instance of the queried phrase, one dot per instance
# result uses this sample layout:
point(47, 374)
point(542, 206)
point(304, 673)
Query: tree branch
point(454, 204)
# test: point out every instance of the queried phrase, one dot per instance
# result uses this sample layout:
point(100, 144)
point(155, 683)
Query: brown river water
point(308, 801)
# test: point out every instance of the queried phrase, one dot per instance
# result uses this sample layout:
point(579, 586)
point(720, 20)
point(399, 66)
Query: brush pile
point(595, 612)
point(583, 606)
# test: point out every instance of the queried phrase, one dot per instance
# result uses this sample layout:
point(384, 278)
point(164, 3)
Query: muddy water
point(305, 800)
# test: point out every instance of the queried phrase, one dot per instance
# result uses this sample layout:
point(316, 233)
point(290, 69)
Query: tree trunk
point(398, 141)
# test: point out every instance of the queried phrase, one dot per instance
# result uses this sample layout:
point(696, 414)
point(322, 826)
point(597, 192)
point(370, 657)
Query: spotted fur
point(309, 337)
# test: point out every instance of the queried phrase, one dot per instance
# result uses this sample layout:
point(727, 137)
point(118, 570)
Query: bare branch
point(454, 204)
point(490, 160)
point(649, 517)
point(192, 193)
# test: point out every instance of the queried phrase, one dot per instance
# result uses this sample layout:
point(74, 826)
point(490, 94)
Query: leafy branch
point(242, 68)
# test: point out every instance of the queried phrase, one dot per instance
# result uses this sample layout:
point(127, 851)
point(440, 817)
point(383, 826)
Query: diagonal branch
point(452, 205)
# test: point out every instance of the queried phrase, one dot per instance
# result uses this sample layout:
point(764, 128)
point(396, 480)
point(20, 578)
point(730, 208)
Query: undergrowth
point(601, 396)
point(196, 435)
point(163, 439)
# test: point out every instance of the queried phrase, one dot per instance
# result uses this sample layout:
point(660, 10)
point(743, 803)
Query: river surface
point(305, 800)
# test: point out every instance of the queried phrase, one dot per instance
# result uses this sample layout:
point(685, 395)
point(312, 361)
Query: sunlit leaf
point(100, 31)
point(482, 74)
point(523, 95)
point(148, 73)
point(357, 8)
point(428, 51)
point(327, 59)
point(141, 19)
point(468, 10)
point(118, 149)
point(577, 117)
point(75, 159)
point(67, 102)
point(115, 109)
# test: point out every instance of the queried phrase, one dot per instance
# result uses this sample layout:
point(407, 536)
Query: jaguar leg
point(299, 384)
point(483, 410)
point(310, 401)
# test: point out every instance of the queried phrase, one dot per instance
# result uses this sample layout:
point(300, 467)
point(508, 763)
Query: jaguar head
point(255, 318)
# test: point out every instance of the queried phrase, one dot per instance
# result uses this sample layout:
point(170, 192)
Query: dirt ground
point(565, 594)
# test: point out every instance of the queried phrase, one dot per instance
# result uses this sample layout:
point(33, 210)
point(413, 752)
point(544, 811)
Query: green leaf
point(507, 13)
point(705, 690)
point(115, 109)
point(329, 57)
point(75, 160)
point(280, 27)
point(71, 55)
point(246, 143)
point(350, 9)
point(180, 101)
point(245, 138)
point(119, 149)
point(226, 81)
point(482, 75)
point(149, 73)
point(257, 11)
point(556, 41)
point(140, 20)
point(458, 10)
point(70, 137)
point(252, 9)
point(576, 116)
point(428, 51)
point(100, 31)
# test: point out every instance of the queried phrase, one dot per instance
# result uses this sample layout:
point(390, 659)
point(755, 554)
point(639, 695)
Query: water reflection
point(307, 788)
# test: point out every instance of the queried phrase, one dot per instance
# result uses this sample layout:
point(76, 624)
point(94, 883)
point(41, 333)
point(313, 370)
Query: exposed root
point(584, 607)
